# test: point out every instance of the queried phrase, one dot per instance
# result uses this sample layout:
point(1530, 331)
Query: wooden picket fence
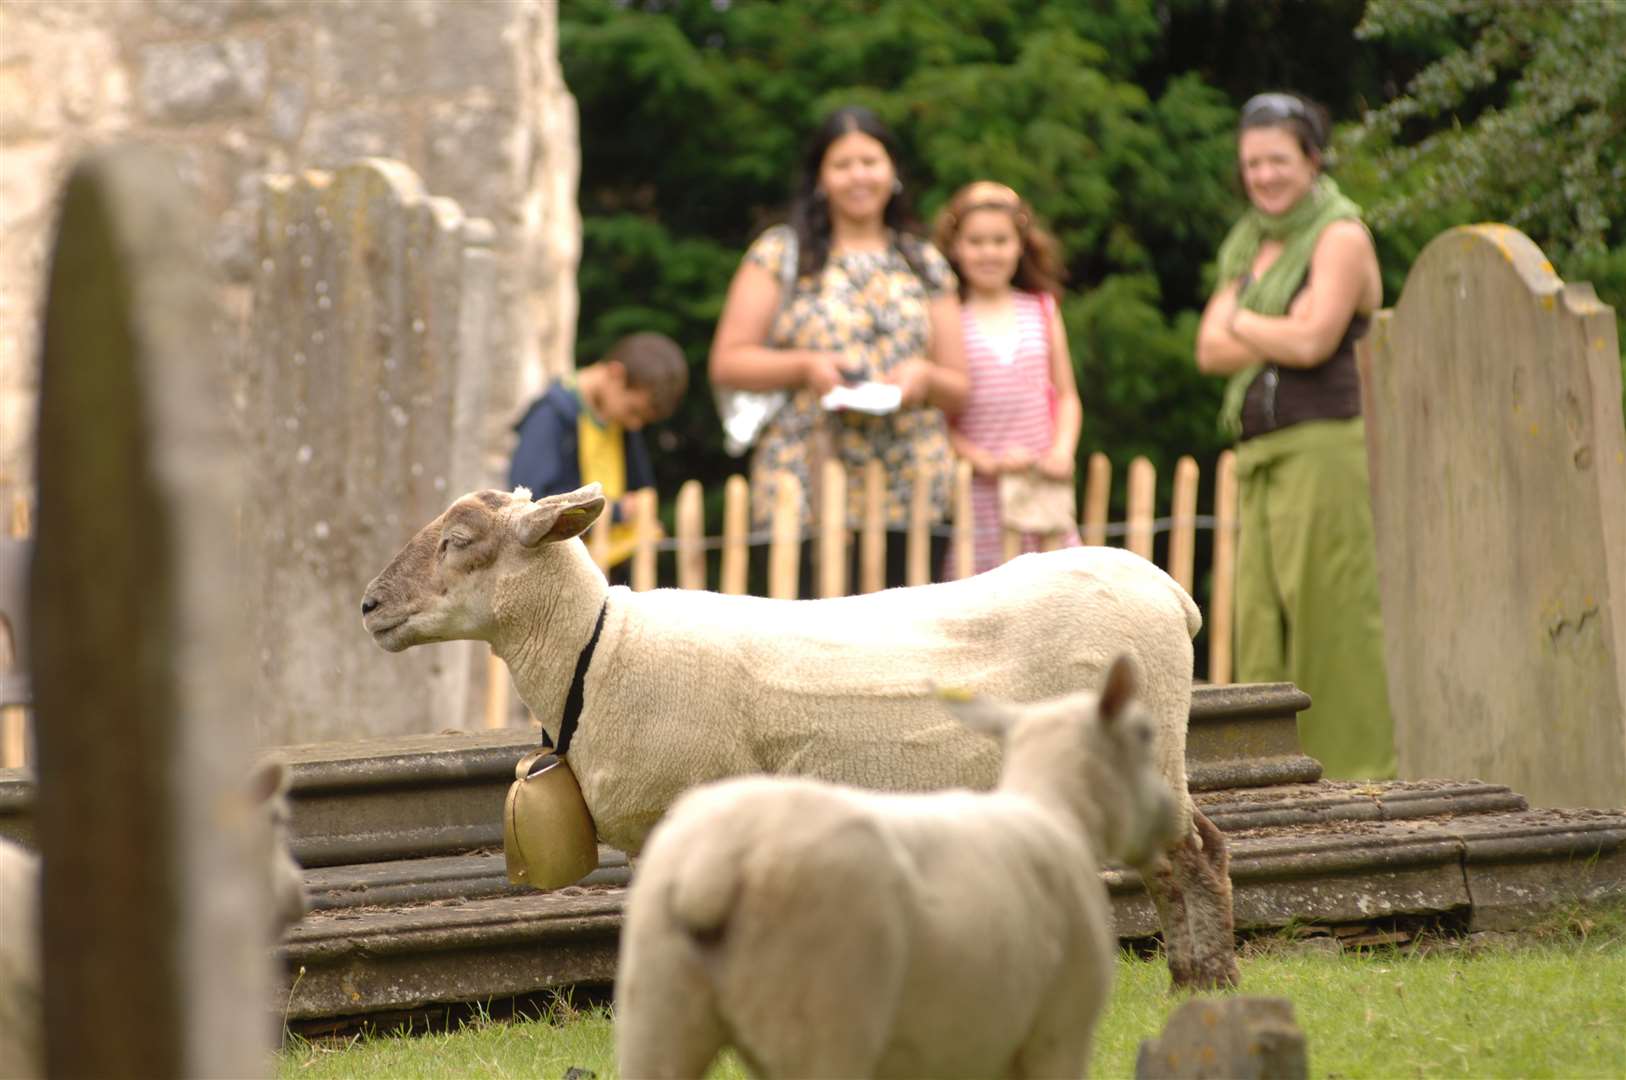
point(785, 536)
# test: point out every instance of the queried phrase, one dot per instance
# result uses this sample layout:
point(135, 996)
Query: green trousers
point(1307, 591)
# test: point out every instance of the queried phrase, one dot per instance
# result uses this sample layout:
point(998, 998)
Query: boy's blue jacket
point(547, 459)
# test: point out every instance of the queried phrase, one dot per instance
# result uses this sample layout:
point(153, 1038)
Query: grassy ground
point(1549, 1003)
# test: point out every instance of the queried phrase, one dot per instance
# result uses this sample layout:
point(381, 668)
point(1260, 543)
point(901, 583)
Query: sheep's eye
point(453, 540)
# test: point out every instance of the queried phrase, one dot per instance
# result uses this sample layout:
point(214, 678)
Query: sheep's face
point(442, 584)
point(1095, 752)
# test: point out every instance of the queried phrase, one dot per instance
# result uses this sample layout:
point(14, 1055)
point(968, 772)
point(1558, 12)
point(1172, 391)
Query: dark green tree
point(693, 115)
point(1525, 124)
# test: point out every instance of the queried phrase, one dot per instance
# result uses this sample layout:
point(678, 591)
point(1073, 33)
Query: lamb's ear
point(267, 780)
point(1118, 689)
point(559, 517)
point(978, 713)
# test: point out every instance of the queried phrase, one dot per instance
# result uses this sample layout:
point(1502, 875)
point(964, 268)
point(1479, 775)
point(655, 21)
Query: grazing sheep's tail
point(702, 895)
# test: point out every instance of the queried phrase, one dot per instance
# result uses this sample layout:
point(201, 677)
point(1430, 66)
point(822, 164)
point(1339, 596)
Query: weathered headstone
point(154, 929)
point(1492, 394)
point(363, 403)
point(1234, 1038)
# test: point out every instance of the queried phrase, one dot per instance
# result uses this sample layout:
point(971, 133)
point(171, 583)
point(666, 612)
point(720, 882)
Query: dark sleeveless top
point(1280, 396)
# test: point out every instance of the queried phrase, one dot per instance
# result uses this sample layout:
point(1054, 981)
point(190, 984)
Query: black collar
point(573, 699)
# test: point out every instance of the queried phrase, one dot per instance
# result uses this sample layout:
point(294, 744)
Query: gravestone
point(1233, 1038)
point(1492, 394)
point(156, 956)
point(363, 399)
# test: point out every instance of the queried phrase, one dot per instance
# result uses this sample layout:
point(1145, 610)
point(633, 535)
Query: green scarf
point(1272, 291)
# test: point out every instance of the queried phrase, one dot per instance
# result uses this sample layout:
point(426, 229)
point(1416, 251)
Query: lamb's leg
point(1170, 901)
point(1205, 877)
point(666, 1022)
point(819, 956)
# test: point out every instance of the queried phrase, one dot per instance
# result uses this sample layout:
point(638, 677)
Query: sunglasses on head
point(1272, 107)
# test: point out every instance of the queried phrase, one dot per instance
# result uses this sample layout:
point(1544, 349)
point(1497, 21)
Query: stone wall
point(467, 92)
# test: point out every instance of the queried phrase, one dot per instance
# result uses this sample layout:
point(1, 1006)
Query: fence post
point(1183, 526)
point(872, 571)
point(1221, 604)
point(1142, 497)
point(965, 560)
point(833, 530)
point(918, 550)
point(736, 529)
point(691, 529)
point(646, 531)
point(785, 547)
point(1097, 490)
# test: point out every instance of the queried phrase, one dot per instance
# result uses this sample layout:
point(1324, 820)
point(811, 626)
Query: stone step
point(378, 800)
point(1487, 869)
point(483, 873)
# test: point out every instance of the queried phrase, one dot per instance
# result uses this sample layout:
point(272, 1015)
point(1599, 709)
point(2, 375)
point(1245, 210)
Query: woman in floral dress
point(871, 301)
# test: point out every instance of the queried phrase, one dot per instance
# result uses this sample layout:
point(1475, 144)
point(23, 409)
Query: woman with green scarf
point(1298, 278)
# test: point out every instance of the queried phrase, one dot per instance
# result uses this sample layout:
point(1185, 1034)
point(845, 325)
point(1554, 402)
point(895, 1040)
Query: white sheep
point(680, 687)
point(22, 1048)
point(822, 930)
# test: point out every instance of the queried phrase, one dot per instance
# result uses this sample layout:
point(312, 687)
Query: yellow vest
point(601, 451)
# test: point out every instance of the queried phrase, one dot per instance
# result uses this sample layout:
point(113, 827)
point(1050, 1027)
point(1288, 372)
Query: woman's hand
point(914, 378)
point(821, 371)
point(1056, 465)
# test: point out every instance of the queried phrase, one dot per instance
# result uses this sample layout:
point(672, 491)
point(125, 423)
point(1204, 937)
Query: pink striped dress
point(1010, 406)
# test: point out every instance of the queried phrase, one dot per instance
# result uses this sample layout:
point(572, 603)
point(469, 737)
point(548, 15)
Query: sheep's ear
point(1118, 689)
point(268, 779)
point(559, 517)
point(978, 713)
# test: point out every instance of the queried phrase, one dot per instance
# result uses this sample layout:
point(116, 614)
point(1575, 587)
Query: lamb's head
point(1095, 753)
point(443, 585)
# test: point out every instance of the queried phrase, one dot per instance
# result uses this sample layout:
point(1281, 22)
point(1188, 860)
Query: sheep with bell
point(648, 694)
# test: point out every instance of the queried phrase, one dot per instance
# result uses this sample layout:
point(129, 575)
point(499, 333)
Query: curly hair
point(1040, 269)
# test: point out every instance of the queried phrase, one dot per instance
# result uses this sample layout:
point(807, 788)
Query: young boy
point(589, 426)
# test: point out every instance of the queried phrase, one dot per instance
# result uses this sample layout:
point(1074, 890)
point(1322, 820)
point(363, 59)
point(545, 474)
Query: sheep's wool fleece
point(687, 686)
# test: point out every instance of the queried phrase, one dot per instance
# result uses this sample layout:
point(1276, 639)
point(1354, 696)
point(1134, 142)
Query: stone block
point(1236, 1038)
point(1497, 452)
point(152, 917)
point(363, 391)
point(423, 48)
point(185, 82)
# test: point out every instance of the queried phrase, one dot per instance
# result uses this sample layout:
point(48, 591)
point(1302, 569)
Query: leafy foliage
point(693, 115)
point(1115, 118)
point(1525, 124)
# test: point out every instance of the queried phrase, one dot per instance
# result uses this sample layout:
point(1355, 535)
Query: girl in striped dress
point(1023, 412)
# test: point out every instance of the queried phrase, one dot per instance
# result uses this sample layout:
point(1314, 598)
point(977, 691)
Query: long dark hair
point(810, 215)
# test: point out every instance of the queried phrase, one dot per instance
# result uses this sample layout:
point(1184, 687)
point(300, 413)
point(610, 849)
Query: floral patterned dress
point(872, 308)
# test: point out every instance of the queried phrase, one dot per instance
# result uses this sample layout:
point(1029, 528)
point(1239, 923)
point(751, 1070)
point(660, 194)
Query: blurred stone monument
point(155, 926)
point(364, 394)
point(1492, 393)
point(1232, 1038)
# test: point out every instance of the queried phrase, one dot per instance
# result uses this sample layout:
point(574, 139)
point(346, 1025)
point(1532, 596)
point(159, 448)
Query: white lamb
point(822, 930)
point(678, 687)
point(22, 1047)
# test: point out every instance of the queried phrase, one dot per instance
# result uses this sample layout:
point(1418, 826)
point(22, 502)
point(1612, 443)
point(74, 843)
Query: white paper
point(875, 398)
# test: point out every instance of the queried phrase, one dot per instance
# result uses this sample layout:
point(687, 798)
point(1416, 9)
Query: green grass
point(1550, 1004)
